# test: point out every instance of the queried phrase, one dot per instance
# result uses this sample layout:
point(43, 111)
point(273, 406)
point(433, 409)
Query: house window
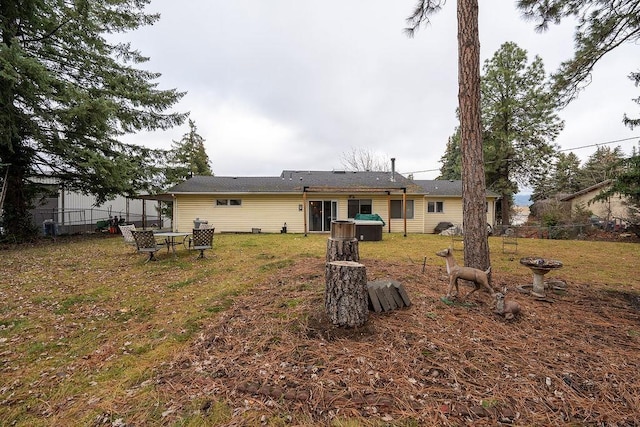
point(396, 209)
point(435, 207)
point(356, 206)
point(228, 202)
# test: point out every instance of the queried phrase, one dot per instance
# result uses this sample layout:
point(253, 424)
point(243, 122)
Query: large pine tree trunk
point(346, 295)
point(476, 247)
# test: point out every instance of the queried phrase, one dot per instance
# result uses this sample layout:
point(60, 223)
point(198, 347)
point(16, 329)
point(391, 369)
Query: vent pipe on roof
point(393, 169)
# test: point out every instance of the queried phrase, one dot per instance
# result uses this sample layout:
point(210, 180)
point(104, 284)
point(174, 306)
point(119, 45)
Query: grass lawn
point(92, 335)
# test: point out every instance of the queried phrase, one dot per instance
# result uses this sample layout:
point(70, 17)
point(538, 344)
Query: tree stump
point(346, 295)
point(343, 244)
point(342, 250)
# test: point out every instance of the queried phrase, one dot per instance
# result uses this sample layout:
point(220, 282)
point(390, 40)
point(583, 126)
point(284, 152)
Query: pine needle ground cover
point(91, 335)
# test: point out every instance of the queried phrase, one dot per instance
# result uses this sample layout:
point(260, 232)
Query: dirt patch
point(572, 360)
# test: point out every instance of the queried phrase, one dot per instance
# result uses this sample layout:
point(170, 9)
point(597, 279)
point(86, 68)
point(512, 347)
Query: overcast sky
point(284, 84)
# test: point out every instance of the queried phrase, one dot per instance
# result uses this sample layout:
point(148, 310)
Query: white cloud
point(293, 85)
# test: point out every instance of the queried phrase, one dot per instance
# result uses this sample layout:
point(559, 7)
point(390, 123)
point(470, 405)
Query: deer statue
point(508, 309)
point(479, 278)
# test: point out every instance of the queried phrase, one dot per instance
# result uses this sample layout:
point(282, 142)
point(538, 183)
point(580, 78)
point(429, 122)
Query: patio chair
point(126, 230)
point(202, 239)
point(146, 242)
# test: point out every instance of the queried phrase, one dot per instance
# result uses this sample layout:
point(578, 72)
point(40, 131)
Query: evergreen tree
point(68, 93)
point(476, 244)
point(627, 120)
point(519, 125)
point(188, 157)
point(602, 165)
point(562, 179)
point(451, 161)
point(601, 27)
point(519, 121)
point(565, 173)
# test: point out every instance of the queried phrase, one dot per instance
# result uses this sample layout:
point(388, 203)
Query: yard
point(90, 335)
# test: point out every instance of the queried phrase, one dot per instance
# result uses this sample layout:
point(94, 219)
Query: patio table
point(170, 238)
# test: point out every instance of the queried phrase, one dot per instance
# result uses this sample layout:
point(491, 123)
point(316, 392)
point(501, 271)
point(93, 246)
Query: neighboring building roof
point(291, 181)
point(587, 190)
point(445, 188)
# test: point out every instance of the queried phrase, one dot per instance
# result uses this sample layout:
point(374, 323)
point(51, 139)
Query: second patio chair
point(146, 243)
point(202, 239)
point(126, 230)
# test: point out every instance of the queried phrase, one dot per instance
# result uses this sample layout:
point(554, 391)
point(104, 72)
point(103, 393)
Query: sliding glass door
point(321, 213)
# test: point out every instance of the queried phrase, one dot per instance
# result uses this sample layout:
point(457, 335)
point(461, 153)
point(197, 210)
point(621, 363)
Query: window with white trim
point(435, 207)
point(228, 202)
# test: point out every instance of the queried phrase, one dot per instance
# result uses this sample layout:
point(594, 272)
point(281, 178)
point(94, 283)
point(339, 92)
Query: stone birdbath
point(539, 267)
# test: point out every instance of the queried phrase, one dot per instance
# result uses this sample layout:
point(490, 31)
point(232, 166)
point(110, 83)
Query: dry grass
point(90, 335)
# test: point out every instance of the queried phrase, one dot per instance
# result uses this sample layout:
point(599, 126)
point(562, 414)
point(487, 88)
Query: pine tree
point(451, 161)
point(68, 92)
point(476, 244)
point(627, 120)
point(188, 157)
point(602, 165)
point(519, 125)
point(562, 179)
point(519, 122)
point(601, 27)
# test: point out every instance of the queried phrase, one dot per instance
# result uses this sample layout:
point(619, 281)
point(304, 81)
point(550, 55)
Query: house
point(307, 201)
point(611, 209)
point(72, 212)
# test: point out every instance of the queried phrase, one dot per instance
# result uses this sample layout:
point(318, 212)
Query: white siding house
point(307, 201)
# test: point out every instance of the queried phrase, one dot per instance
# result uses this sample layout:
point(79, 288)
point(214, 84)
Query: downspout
point(389, 209)
point(404, 208)
point(304, 209)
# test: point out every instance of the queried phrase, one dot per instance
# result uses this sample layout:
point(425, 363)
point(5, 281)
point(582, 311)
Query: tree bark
point(476, 246)
point(342, 250)
point(346, 295)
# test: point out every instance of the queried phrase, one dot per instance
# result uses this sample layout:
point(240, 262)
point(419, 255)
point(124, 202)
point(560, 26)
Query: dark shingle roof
point(441, 187)
point(291, 181)
point(445, 188)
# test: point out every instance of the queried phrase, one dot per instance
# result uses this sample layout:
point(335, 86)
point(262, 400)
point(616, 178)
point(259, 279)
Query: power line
point(564, 149)
point(600, 143)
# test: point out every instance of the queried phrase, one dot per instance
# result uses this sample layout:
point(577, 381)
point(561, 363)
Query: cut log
point(343, 229)
point(342, 250)
point(345, 296)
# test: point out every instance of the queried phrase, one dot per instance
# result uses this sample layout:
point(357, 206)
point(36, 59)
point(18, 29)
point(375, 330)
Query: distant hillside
point(523, 200)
